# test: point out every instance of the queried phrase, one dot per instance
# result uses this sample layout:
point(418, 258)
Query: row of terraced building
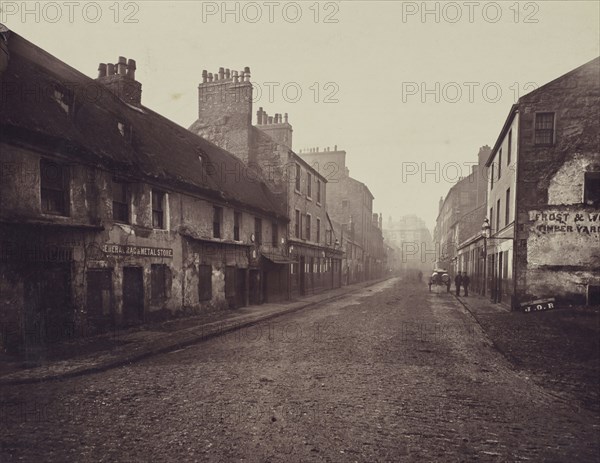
point(112, 215)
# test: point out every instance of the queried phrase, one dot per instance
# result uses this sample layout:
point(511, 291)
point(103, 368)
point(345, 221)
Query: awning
point(277, 258)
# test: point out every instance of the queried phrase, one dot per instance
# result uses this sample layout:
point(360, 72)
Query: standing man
point(457, 283)
point(465, 283)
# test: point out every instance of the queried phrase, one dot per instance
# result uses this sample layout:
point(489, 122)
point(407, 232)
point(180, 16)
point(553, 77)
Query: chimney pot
point(102, 70)
point(131, 67)
point(270, 119)
point(235, 76)
point(285, 118)
point(227, 73)
point(242, 76)
point(110, 69)
point(210, 77)
point(204, 76)
point(121, 65)
point(221, 73)
point(335, 148)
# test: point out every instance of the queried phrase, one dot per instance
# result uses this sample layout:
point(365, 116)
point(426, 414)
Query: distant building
point(112, 215)
point(350, 202)
point(544, 194)
point(413, 241)
point(265, 153)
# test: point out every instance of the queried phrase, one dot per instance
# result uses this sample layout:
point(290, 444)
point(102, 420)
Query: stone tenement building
point(265, 151)
point(461, 214)
point(544, 194)
point(112, 215)
point(412, 239)
point(350, 203)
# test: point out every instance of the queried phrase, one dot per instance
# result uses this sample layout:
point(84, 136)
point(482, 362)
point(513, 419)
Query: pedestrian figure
point(457, 283)
point(465, 283)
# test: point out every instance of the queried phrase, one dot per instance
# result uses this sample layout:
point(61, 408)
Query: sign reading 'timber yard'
point(144, 251)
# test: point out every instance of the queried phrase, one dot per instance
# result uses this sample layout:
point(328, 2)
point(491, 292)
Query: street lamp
point(485, 233)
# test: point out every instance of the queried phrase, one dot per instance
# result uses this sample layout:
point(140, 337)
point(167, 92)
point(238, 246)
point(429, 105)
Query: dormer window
point(124, 130)
point(64, 98)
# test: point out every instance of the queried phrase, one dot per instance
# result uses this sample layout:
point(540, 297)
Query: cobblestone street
point(389, 373)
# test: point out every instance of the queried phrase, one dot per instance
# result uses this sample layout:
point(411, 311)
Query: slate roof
point(158, 150)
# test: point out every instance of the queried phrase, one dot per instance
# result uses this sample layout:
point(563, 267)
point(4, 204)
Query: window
point(499, 163)
point(507, 208)
point(204, 283)
point(274, 235)
point(318, 230)
point(492, 179)
point(297, 178)
point(158, 216)
point(297, 225)
point(120, 192)
point(509, 152)
point(160, 281)
point(591, 189)
point(308, 185)
point(311, 268)
point(544, 129)
point(491, 220)
point(64, 98)
point(217, 221)
point(498, 215)
point(237, 220)
point(54, 186)
point(318, 191)
point(258, 231)
point(307, 237)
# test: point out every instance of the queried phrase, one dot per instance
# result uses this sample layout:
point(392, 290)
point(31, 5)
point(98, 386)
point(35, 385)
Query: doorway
point(99, 299)
point(133, 295)
point(301, 275)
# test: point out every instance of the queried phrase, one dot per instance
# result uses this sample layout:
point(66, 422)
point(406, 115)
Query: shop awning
point(277, 258)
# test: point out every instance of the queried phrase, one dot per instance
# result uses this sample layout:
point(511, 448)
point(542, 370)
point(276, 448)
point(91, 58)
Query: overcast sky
point(369, 72)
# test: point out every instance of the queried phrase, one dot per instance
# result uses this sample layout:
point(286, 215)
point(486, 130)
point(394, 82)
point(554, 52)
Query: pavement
point(121, 347)
point(559, 349)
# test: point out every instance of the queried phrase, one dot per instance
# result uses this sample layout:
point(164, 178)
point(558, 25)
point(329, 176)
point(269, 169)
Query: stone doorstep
point(168, 342)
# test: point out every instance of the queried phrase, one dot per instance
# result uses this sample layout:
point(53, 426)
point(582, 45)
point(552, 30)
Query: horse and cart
point(440, 278)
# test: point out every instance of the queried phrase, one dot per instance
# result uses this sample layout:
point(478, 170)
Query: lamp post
point(485, 233)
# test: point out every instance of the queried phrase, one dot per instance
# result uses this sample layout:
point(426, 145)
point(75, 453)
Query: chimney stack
point(120, 79)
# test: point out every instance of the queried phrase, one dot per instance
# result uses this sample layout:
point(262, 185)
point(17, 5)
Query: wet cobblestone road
point(392, 373)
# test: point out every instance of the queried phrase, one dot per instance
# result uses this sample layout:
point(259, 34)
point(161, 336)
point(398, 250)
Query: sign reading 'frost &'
point(565, 222)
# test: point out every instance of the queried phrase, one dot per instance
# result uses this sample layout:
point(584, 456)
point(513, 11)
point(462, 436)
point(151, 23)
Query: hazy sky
point(369, 73)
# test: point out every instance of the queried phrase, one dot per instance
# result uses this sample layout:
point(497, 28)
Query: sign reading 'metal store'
point(143, 251)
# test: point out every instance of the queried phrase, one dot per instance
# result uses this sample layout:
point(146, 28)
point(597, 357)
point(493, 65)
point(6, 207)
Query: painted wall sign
point(10, 251)
point(144, 251)
point(586, 223)
point(538, 305)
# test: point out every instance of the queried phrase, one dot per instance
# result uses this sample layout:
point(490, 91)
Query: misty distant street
point(391, 373)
